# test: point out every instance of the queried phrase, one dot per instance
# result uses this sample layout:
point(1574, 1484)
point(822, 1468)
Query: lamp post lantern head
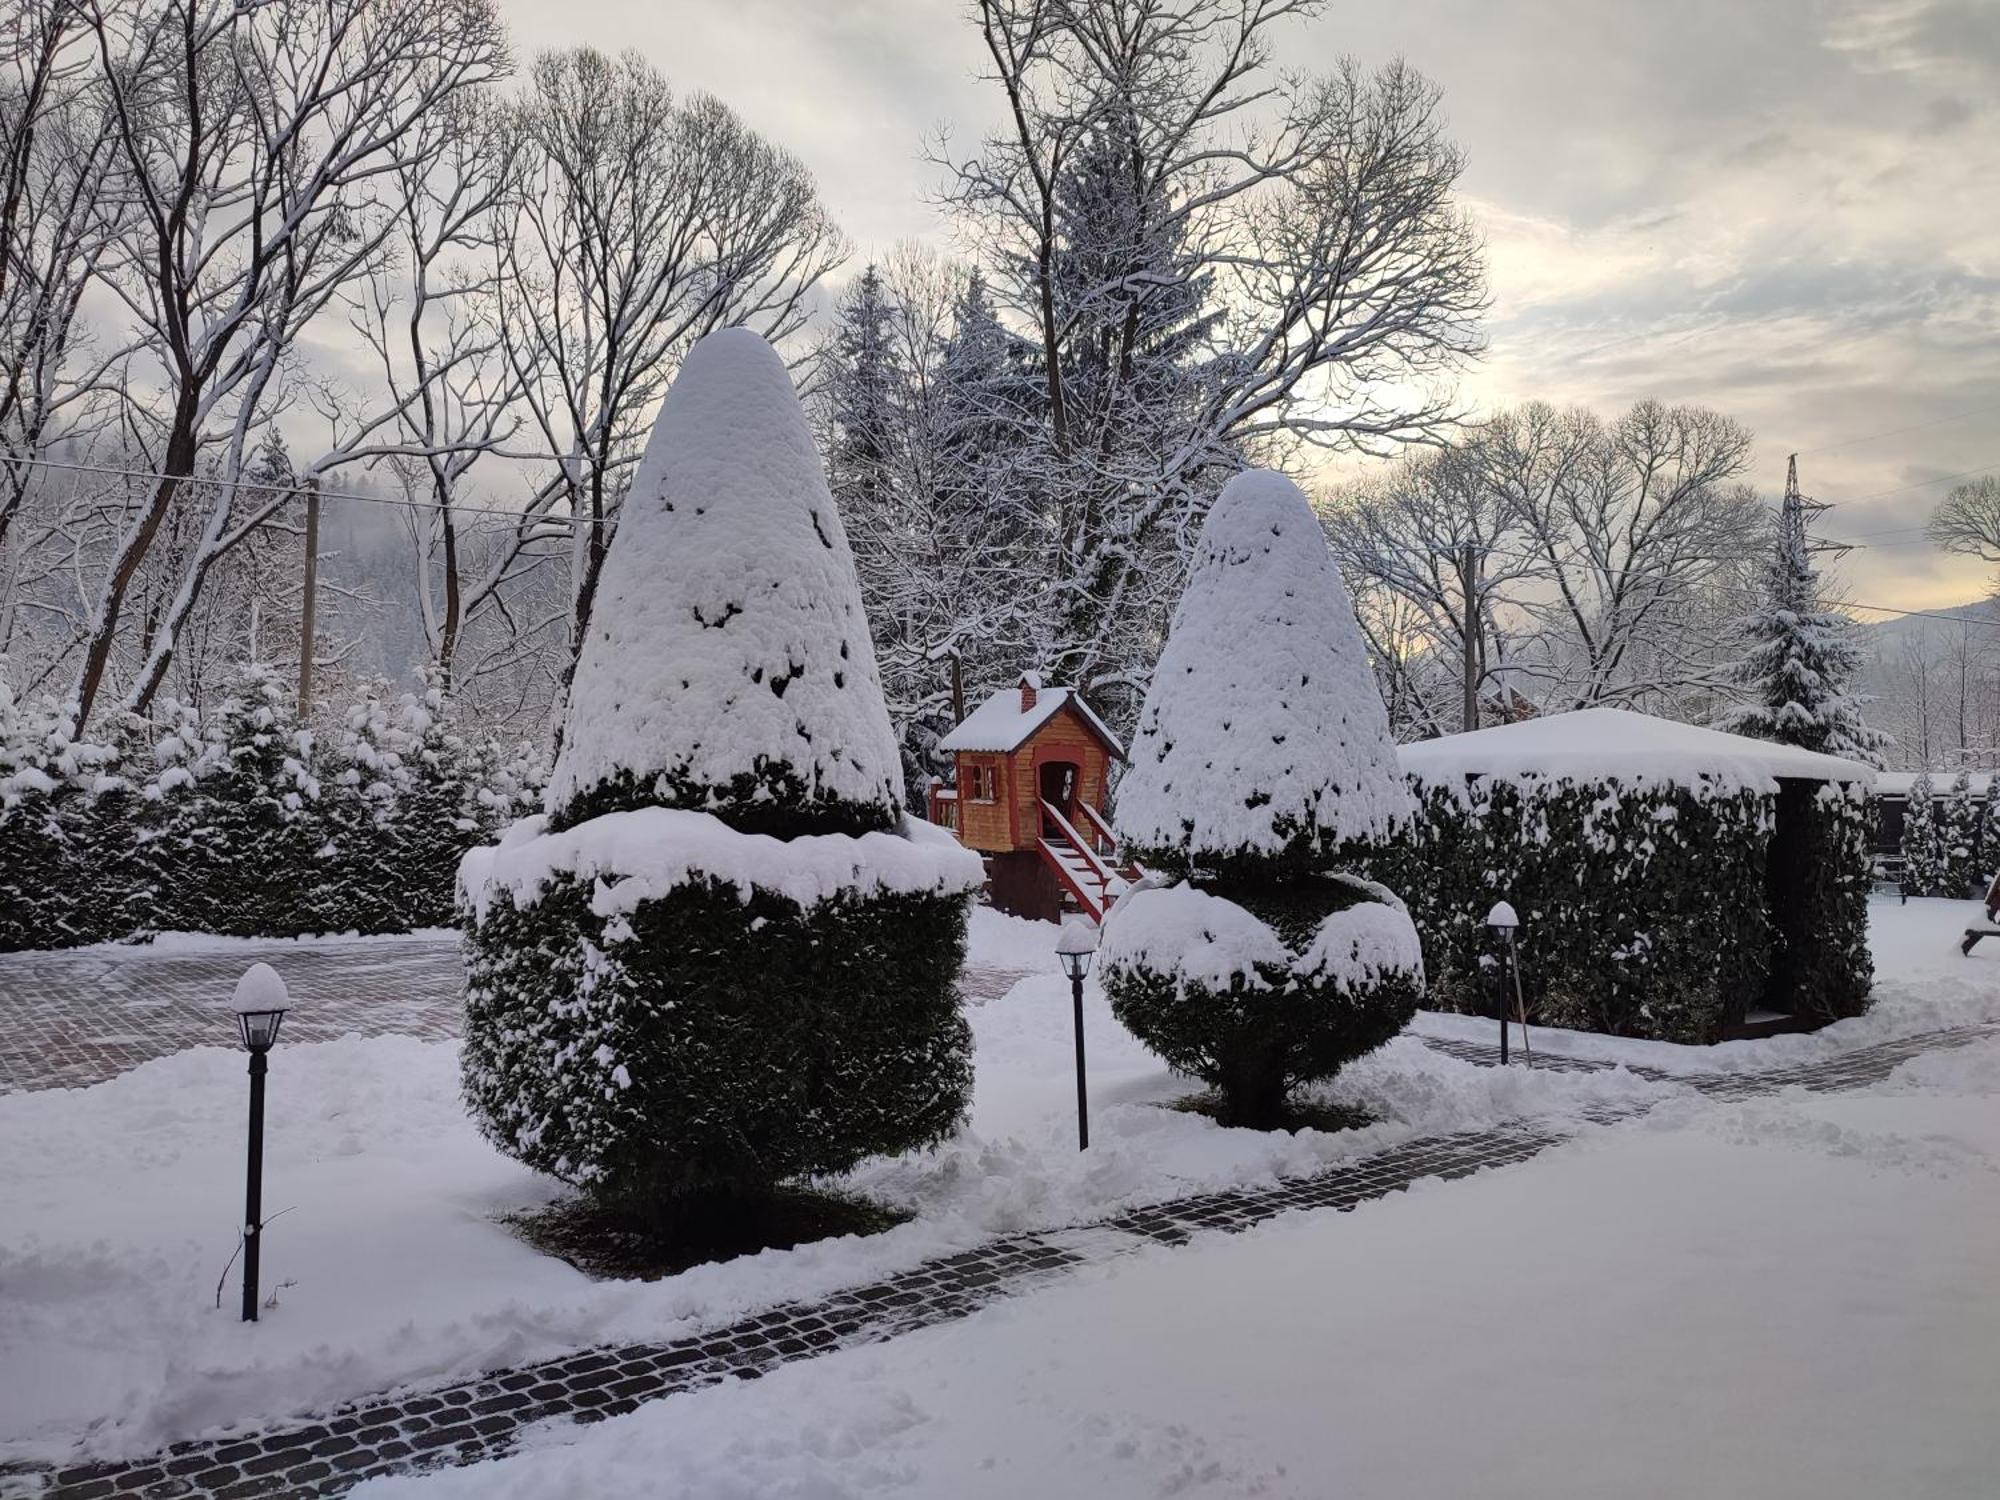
point(1076, 945)
point(1502, 919)
point(260, 1007)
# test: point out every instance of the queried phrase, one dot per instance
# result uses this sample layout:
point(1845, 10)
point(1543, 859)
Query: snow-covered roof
point(1898, 783)
point(1595, 743)
point(1000, 724)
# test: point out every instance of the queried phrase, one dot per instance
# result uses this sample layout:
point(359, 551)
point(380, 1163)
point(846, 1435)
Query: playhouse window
point(985, 785)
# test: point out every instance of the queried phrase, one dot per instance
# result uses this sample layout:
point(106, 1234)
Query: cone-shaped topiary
point(1262, 750)
point(722, 960)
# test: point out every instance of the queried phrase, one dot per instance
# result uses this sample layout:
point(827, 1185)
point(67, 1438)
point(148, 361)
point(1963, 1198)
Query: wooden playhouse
point(1032, 768)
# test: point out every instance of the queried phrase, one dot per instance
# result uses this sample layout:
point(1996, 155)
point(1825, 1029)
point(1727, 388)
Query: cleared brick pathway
point(486, 1417)
point(68, 1020)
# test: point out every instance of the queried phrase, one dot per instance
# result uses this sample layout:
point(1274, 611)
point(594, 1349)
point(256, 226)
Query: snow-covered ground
point(1791, 1298)
point(122, 1200)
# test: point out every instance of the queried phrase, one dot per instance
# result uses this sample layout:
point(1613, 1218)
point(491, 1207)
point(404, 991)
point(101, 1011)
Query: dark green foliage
point(241, 846)
point(1253, 1044)
point(1644, 912)
point(34, 909)
point(1819, 880)
point(1925, 863)
point(703, 1044)
point(773, 798)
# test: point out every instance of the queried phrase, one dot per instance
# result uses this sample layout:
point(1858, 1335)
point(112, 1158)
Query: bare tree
point(638, 223)
point(1446, 544)
point(1627, 523)
point(1967, 521)
point(251, 135)
point(1218, 262)
point(57, 213)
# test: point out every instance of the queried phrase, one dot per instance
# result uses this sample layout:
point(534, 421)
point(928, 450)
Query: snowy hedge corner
point(1263, 756)
point(723, 959)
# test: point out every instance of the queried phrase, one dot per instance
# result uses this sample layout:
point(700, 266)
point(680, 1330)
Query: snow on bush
point(728, 664)
point(1646, 902)
point(723, 960)
point(1263, 749)
point(1264, 733)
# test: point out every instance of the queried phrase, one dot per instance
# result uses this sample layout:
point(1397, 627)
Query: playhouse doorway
point(1057, 782)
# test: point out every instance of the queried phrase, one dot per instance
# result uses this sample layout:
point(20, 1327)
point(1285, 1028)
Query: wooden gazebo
point(1032, 776)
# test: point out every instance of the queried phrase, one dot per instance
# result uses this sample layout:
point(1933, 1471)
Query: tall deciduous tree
point(1216, 262)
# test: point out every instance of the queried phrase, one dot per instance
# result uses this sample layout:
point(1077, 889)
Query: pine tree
point(439, 817)
point(661, 1006)
point(1802, 656)
point(1263, 756)
point(241, 844)
point(1923, 840)
point(367, 883)
point(1958, 836)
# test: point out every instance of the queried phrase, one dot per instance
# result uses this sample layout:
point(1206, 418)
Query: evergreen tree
point(1801, 655)
point(661, 1007)
point(369, 775)
point(1958, 836)
point(868, 393)
point(1923, 840)
point(439, 818)
point(242, 842)
point(1263, 755)
point(1989, 833)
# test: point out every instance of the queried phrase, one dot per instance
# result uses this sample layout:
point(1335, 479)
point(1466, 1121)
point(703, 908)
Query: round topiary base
point(702, 1042)
point(1252, 1024)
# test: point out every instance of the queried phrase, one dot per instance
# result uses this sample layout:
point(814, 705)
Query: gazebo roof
point(1000, 724)
point(1591, 744)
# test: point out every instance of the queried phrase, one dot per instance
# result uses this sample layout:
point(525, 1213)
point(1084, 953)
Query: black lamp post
point(1077, 943)
point(260, 1008)
point(1503, 922)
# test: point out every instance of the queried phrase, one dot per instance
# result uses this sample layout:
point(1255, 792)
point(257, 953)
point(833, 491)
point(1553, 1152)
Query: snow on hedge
point(1264, 719)
point(1210, 943)
point(731, 587)
point(646, 853)
point(1635, 749)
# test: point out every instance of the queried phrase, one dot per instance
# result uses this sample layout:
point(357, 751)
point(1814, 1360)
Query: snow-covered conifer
point(1263, 749)
point(1959, 822)
point(1923, 839)
point(1801, 655)
point(723, 960)
point(241, 843)
point(728, 665)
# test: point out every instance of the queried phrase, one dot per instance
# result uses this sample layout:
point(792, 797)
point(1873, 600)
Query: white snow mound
point(728, 627)
point(1208, 942)
point(643, 854)
point(1263, 694)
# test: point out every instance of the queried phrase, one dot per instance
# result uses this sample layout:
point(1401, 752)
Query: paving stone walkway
point(488, 1416)
point(68, 1020)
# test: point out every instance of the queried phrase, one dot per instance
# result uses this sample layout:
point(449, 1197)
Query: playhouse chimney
point(1031, 684)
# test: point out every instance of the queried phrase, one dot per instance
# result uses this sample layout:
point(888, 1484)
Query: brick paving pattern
point(486, 1417)
point(68, 1020)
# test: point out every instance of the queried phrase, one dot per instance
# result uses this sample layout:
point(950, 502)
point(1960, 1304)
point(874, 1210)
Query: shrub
point(724, 959)
point(1263, 749)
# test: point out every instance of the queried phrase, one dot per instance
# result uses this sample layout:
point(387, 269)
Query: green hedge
point(1650, 911)
point(702, 1044)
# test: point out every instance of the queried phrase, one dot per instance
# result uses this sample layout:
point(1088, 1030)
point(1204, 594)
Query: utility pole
point(1467, 585)
point(306, 610)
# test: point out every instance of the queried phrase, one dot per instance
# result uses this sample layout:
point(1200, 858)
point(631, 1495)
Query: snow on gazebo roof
point(1591, 744)
point(1898, 783)
point(1000, 724)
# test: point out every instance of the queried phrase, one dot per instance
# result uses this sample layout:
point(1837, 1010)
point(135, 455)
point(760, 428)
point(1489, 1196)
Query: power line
point(1869, 437)
point(295, 489)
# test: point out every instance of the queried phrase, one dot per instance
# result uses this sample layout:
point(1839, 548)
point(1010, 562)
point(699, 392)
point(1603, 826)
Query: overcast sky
point(1786, 209)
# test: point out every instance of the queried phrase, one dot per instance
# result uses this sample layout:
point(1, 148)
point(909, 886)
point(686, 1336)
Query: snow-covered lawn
point(1786, 1298)
point(121, 1203)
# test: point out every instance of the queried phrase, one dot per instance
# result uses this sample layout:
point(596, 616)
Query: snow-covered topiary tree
point(1801, 656)
point(1959, 822)
point(1263, 749)
point(723, 959)
point(1923, 839)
